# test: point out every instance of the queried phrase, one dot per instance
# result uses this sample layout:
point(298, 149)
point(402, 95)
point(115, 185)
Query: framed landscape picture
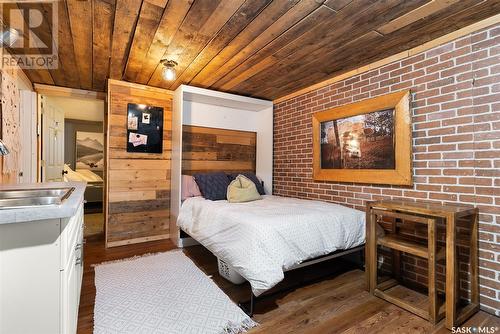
point(89, 150)
point(364, 142)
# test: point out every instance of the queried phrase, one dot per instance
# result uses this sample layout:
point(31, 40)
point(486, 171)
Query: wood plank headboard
point(217, 150)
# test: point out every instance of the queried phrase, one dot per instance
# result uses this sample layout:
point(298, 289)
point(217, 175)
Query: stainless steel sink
point(23, 198)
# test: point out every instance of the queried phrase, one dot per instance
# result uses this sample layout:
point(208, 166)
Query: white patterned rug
point(162, 293)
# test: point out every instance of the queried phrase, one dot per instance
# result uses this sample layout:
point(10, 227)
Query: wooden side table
point(426, 213)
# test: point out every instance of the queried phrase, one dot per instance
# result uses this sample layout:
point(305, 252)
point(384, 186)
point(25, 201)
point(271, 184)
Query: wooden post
point(431, 262)
point(474, 270)
point(372, 246)
point(451, 267)
point(396, 255)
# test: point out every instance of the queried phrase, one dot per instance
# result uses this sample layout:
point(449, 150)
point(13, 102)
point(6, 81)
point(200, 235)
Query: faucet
point(3, 149)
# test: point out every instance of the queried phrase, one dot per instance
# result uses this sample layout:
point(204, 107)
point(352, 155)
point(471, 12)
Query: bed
point(262, 239)
point(93, 191)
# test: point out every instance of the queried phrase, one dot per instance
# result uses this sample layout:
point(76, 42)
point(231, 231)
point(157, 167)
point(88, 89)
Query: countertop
point(67, 209)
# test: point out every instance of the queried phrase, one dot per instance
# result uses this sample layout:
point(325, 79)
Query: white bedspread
point(263, 238)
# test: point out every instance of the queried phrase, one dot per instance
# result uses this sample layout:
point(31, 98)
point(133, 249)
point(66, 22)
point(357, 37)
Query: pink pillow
point(189, 188)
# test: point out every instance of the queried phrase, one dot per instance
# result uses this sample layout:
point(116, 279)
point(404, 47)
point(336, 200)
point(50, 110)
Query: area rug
point(162, 293)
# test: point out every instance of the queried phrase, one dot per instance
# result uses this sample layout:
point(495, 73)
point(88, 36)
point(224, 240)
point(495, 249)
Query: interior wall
point(87, 109)
point(138, 184)
point(456, 141)
point(17, 78)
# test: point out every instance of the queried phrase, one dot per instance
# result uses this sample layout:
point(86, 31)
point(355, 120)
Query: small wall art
point(144, 128)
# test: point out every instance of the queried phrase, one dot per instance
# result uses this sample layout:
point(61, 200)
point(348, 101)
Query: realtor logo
point(29, 31)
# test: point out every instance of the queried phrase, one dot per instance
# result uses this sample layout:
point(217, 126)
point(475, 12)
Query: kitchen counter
point(66, 209)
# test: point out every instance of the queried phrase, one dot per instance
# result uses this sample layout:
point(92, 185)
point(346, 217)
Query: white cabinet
point(41, 268)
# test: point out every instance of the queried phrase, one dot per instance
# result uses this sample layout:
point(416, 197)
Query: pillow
point(242, 189)
point(189, 188)
point(213, 186)
point(252, 177)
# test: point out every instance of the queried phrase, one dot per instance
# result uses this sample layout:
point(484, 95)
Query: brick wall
point(456, 139)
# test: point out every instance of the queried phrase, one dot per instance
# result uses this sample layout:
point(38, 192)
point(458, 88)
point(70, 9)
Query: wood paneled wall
point(138, 184)
point(21, 82)
point(213, 150)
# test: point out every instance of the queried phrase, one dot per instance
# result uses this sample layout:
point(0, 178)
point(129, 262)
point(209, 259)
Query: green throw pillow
point(242, 189)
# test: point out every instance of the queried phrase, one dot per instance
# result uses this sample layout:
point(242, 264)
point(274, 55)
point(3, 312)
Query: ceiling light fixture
point(168, 72)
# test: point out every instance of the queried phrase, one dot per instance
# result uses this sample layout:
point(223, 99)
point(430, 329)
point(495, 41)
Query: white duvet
point(264, 238)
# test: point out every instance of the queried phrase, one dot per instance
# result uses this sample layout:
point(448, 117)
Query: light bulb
point(168, 73)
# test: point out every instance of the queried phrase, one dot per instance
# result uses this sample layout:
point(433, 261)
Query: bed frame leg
point(362, 260)
point(248, 309)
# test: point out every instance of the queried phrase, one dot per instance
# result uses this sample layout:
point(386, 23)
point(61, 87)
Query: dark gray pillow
point(213, 186)
point(252, 177)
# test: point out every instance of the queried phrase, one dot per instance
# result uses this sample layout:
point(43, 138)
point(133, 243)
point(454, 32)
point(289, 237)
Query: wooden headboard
point(215, 150)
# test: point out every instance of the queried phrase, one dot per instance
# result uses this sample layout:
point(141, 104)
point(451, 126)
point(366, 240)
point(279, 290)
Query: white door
point(52, 142)
point(28, 118)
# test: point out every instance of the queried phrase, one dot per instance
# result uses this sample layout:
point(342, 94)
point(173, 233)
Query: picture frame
point(89, 150)
point(365, 142)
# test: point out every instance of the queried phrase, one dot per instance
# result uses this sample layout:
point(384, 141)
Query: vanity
point(41, 257)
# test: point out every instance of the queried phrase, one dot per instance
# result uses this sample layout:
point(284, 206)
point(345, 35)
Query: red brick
point(458, 189)
point(457, 138)
point(443, 180)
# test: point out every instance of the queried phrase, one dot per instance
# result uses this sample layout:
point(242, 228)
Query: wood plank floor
point(335, 304)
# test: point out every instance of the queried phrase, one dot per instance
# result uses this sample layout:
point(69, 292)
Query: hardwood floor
point(337, 303)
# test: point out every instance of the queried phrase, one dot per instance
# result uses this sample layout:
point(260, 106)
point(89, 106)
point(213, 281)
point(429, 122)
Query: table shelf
point(430, 214)
point(404, 245)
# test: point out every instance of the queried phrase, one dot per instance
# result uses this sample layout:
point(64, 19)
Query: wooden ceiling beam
point(203, 21)
point(126, 16)
point(345, 52)
point(239, 21)
point(80, 19)
point(293, 57)
point(302, 45)
point(427, 45)
point(173, 16)
point(300, 15)
point(66, 52)
point(415, 15)
point(149, 19)
point(337, 4)
point(396, 42)
point(320, 17)
point(103, 16)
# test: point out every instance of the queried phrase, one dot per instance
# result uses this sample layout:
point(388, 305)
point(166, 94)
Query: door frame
point(29, 133)
point(51, 90)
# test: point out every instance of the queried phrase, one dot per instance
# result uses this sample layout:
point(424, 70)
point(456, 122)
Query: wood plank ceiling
point(261, 48)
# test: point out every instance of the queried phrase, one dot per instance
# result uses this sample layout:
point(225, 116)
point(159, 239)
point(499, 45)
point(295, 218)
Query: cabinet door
point(79, 265)
point(70, 295)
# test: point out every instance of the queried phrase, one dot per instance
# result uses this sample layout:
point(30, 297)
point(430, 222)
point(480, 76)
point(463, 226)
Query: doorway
point(72, 150)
